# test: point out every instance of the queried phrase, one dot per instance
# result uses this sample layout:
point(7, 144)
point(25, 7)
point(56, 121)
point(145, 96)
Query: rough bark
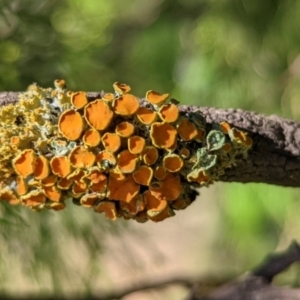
point(275, 156)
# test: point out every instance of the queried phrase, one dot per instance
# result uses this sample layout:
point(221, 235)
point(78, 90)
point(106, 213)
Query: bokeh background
point(222, 53)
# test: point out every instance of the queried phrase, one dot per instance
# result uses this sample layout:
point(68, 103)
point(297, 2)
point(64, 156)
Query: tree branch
point(256, 285)
point(275, 156)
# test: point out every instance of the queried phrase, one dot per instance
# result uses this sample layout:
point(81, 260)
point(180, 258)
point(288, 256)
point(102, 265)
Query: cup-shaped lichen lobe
point(114, 154)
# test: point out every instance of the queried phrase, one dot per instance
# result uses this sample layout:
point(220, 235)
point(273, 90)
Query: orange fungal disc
point(49, 181)
point(121, 88)
point(60, 166)
point(41, 167)
point(22, 186)
point(33, 198)
point(225, 127)
point(108, 97)
point(136, 144)
point(89, 200)
point(199, 176)
point(163, 135)
point(24, 163)
point(127, 161)
point(146, 116)
point(169, 189)
point(91, 137)
point(71, 124)
point(143, 175)
point(123, 190)
point(187, 130)
point(79, 100)
point(98, 114)
point(107, 207)
point(150, 155)
point(173, 163)
point(64, 183)
point(157, 210)
point(105, 156)
point(111, 141)
point(169, 113)
point(184, 152)
point(79, 188)
point(80, 157)
point(124, 129)
point(52, 193)
point(127, 105)
point(9, 196)
point(56, 206)
point(156, 98)
point(160, 173)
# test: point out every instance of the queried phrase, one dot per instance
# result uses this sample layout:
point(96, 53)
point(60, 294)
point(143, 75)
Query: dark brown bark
point(275, 156)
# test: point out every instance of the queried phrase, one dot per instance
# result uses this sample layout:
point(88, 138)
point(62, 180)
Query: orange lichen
point(60, 83)
point(143, 175)
point(146, 116)
point(111, 142)
point(226, 147)
point(184, 152)
point(98, 114)
point(71, 124)
point(121, 88)
point(105, 156)
point(108, 207)
point(108, 97)
point(89, 200)
point(127, 161)
point(79, 188)
point(169, 189)
point(22, 186)
point(56, 206)
point(127, 105)
point(77, 176)
point(9, 196)
point(91, 137)
point(169, 113)
point(157, 210)
point(200, 137)
point(41, 167)
point(52, 193)
point(136, 144)
point(150, 155)
point(23, 164)
point(79, 100)
point(173, 163)
point(123, 190)
point(111, 154)
point(124, 129)
point(187, 130)
point(117, 174)
point(160, 173)
point(156, 98)
point(134, 206)
point(34, 198)
point(81, 157)
point(199, 176)
point(225, 127)
point(163, 135)
point(64, 183)
point(49, 181)
point(60, 166)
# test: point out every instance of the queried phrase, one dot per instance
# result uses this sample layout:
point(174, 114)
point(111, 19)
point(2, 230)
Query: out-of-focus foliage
point(225, 53)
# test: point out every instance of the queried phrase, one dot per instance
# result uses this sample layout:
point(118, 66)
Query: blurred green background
point(222, 53)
